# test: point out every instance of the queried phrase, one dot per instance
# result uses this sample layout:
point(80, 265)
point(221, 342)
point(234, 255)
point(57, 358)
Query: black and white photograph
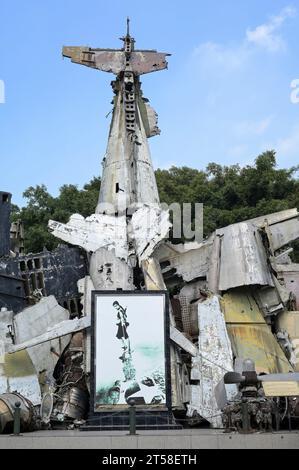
point(130, 351)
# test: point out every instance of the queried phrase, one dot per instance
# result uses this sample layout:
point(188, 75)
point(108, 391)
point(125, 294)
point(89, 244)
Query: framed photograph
point(130, 350)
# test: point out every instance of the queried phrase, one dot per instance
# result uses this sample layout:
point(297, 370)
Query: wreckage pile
point(235, 296)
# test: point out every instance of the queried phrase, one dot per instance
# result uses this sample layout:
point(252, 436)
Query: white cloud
point(267, 35)
point(247, 128)
point(230, 57)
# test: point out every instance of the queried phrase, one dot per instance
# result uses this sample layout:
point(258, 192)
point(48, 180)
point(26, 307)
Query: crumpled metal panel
point(251, 337)
point(114, 60)
point(148, 227)
point(257, 342)
point(35, 321)
point(149, 118)
point(247, 306)
point(282, 233)
point(94, 232)
point(190, 260)
point(269, 300)
point(239, 306)
point(148, 61)
point(243, 258)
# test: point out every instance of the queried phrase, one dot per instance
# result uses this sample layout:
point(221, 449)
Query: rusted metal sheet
point(250, 335)
point(243, 259)
point(239, 306)
point(257, 342)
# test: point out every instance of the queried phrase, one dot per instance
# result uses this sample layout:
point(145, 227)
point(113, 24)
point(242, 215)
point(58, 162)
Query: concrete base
point(181, 439)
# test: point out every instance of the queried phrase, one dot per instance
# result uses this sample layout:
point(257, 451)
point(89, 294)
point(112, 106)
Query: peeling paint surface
point(214, 360)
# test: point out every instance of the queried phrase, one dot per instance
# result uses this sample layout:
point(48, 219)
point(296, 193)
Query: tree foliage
point(230, 194)
point(41, 207)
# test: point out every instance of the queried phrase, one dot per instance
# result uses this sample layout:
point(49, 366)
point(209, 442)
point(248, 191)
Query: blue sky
point(226, 96)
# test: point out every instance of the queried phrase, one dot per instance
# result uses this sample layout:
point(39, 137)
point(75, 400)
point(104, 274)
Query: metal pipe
point(132, 417)
point(17, 419)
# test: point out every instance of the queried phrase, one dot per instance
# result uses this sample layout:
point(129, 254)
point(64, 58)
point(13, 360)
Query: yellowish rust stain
point(18, 364)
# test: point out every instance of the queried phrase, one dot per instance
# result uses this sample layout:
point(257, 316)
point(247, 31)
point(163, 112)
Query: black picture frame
point(97, 411)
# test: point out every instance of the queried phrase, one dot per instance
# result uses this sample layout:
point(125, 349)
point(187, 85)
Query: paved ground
point(182, 439)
